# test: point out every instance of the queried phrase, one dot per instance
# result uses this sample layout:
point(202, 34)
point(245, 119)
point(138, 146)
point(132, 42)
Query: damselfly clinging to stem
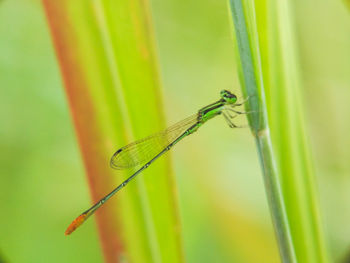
point(145, 151)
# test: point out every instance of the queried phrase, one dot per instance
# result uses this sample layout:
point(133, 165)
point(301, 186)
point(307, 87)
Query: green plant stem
point(274, 196)
point(268, 67)
point(251, 79)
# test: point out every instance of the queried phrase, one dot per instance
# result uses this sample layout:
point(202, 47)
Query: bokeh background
point(224, 216)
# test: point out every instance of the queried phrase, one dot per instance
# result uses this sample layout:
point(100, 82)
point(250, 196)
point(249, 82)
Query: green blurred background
point(224, 216)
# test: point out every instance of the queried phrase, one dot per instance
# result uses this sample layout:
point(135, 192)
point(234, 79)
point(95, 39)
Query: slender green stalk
point(268, 67)
point(251, 79)
point(275, 197)
point(251, 76)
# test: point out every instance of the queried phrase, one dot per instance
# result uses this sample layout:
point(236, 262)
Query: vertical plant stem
point(107, 58)
point(252, 84)
point(267, 61)
point(92, 135)
point(274, 196)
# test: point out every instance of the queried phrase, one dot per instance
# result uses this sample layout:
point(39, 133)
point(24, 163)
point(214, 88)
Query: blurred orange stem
point(90, 134)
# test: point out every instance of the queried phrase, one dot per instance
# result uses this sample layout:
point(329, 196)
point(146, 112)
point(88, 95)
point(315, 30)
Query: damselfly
point(145, 151)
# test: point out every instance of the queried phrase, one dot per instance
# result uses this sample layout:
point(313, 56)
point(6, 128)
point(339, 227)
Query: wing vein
point(143, 150)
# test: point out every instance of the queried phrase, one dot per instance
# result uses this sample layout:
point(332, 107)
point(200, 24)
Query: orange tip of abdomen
point(75, 224)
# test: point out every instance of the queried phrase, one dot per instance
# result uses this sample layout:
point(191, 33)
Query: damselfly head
point(228, 96)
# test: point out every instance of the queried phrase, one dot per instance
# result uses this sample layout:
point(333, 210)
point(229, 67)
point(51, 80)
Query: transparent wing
point(143, 150)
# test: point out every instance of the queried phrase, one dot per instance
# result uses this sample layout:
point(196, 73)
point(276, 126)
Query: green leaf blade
point(107, 57)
